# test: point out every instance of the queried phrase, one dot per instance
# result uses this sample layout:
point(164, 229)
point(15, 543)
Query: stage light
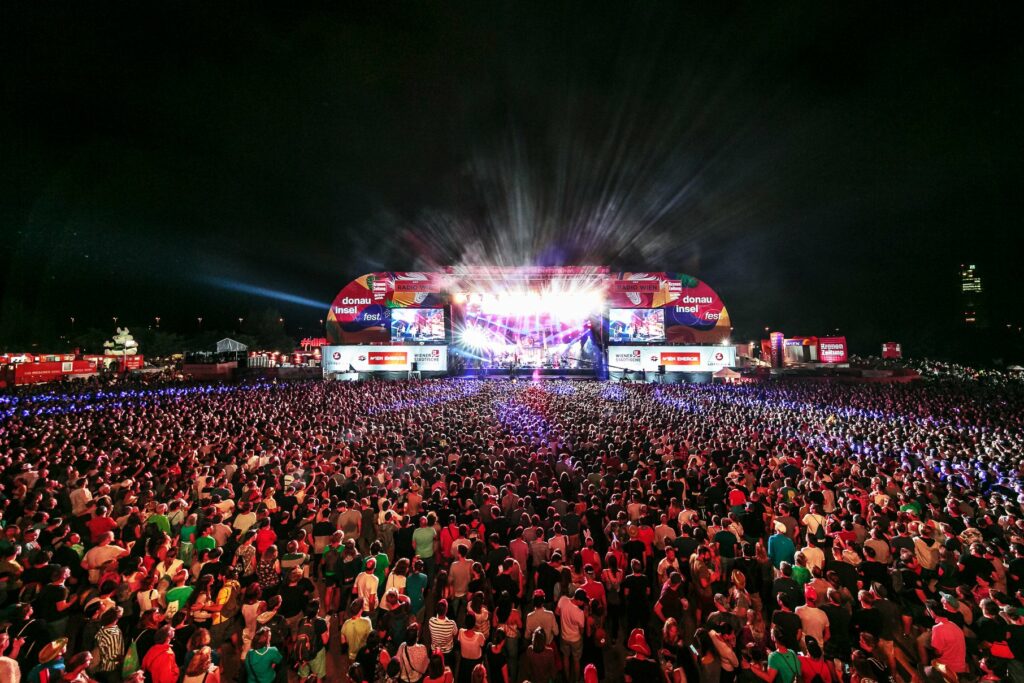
point(475, 338)
point(459, 298)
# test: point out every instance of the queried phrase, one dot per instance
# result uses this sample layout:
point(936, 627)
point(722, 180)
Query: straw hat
point(52, 651)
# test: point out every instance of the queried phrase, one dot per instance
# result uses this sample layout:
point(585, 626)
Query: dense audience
point(497, 531)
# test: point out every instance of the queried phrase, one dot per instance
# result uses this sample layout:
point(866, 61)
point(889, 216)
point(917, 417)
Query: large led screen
point(417, 325)
point(628, 325)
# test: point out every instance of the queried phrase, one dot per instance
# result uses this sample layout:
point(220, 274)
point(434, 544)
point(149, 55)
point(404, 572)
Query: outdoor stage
point(572, 321)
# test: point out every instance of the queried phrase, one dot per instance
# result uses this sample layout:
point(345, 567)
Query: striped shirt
point(442, 634)
point(110, 643)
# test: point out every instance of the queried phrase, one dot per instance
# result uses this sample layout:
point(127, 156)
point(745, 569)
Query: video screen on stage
point(636, 325)
point(527, 329)
point(417, 325)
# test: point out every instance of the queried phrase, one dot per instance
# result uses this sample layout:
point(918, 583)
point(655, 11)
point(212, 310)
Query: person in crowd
point(263, 660)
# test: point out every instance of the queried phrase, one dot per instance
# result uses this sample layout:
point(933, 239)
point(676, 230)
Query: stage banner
point(674, 358)
point(383, 358)
point(694, 313)
point(832, 350)
point(361, 312)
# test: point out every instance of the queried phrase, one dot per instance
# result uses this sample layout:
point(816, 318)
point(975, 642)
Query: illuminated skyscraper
point(972, 297)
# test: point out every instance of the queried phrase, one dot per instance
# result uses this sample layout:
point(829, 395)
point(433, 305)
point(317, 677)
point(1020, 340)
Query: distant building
point(972, 297)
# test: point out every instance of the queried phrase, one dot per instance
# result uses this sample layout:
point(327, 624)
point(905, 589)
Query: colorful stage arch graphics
point(396, 308)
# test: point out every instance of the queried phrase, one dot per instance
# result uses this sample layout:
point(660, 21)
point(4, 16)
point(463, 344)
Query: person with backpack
point(309, 647)
point(412, 656)
point(813, 666)
point(815, 523)
point(229, 597)
point(783, 665)
point(275, 622)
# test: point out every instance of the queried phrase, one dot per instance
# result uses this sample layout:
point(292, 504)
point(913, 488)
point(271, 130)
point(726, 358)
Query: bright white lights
point(558, 304)
point(475, 338)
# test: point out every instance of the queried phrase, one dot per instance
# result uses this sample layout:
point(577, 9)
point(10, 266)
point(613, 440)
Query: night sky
point(821, 168)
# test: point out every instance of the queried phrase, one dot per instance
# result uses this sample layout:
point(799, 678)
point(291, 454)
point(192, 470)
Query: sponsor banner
point(674, 358)
point(383, 358)
point(832, 350)
point(778, 341)
point(677, 358)
point(419, 282)
point(648, 286)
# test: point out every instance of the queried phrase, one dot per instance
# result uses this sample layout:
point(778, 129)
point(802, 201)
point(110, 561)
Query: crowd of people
point(502, 531)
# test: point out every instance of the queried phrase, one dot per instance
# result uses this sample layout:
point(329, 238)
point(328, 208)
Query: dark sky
point(819, 167)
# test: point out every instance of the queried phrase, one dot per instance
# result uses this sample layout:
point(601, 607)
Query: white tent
point(228, 345)
point(727, 375)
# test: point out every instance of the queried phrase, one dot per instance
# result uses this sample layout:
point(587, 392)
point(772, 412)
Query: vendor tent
point(228, 345)
point(726, 375)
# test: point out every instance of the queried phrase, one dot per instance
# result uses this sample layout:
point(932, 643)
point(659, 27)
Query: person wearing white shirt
point(245, 519)
point(572, 619)
point(366, 586)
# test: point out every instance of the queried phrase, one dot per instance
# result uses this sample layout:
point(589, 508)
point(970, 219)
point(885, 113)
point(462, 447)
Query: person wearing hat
point(572, 620)
point(639, 667)
point(51, 663)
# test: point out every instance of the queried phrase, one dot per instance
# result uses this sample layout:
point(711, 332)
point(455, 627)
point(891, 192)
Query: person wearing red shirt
point(646, 535)
point(593, 588)
point(737, 498)
point(591, 556)
point(100, 524)
point(265, 537)
point(159, 662)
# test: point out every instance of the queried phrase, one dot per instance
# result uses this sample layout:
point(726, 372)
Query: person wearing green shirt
point(381, 568)
point(415, 587)
point(186, 534)
point(783, 664)
point(911, 506)
point(801, 574)
point(206, 541)
point(160, 519)
point(179, 595)
point(423, 540)
point(263, 660)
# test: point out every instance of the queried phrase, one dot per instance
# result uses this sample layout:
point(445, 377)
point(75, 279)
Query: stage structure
point(553, 321)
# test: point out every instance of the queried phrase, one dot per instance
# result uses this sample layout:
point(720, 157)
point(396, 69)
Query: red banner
point(387, 358)
point(677, 358)
point(832, 350)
